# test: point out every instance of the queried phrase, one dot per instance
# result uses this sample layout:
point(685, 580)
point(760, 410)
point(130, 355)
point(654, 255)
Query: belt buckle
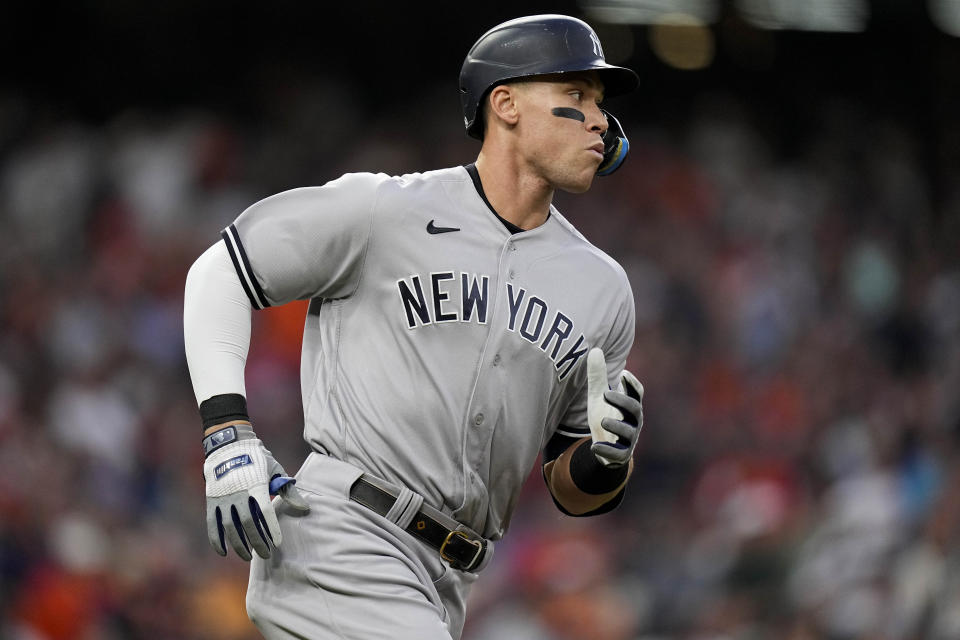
point(456, 564)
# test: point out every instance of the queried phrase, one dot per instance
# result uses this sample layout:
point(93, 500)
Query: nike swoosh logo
point(432, 228)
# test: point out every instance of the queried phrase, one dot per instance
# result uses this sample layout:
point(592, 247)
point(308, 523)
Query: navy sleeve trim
point(240, 262)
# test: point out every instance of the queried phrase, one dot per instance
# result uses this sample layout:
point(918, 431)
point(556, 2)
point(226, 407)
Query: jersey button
point(513, 274)
point(478, 419)
point(496, 360)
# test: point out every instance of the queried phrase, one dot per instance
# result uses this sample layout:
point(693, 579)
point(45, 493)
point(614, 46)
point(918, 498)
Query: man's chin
point(577, 186)
point(573, 178)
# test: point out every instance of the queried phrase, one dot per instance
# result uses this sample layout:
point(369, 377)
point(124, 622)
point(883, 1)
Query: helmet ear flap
point(615, 146)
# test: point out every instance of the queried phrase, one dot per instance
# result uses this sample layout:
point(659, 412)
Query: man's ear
point(502, 104)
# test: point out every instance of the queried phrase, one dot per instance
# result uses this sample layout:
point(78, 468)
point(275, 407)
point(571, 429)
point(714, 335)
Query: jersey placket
point(483, 414)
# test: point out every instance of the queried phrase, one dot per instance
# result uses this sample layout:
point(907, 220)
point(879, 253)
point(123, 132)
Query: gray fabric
point(345, 572)
point(450, 398)
point(403, 510)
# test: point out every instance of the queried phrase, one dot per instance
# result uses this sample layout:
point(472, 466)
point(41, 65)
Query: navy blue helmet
point(533, 46)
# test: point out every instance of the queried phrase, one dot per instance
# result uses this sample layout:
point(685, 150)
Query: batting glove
point(241, 475)
point(615, 415)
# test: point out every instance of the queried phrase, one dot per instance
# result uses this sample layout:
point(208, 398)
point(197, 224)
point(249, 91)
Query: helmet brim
point(618, 81)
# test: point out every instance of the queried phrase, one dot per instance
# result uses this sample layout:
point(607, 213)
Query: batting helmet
point(533, 46)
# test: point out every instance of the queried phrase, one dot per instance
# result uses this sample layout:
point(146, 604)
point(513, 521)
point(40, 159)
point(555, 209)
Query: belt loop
point(406, 506)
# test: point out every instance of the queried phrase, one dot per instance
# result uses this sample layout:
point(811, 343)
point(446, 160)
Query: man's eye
point(577, 95)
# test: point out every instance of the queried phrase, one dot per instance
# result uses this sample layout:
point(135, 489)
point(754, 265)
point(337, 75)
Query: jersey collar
point(475, 176)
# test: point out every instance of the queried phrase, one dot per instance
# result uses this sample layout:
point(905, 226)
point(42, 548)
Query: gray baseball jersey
point(441, 351)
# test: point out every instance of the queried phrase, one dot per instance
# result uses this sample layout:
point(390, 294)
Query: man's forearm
point(580, 483)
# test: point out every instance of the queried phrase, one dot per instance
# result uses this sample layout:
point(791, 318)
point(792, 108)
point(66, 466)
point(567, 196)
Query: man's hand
point(240, 473)
point(615, 416)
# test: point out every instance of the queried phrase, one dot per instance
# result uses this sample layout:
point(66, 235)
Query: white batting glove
point(615, 415)
point(241, 474)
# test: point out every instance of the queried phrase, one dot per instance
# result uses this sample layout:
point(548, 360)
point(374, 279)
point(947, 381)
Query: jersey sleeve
point(616, 348)
point(304, 243)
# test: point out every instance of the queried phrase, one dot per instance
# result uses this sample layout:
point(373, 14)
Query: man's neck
point(515, 195)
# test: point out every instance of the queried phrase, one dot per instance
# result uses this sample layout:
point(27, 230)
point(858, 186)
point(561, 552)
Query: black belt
point(462, 550)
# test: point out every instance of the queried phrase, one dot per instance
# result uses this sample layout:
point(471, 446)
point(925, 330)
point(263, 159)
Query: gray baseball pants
point(343, 571)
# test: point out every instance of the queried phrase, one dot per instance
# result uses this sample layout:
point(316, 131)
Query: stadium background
point(789, 218)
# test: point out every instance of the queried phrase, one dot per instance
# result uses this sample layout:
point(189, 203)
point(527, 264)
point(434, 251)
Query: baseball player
point(458, 326)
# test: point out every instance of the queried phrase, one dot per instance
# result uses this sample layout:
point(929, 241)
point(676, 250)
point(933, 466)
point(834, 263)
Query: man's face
point(560, 128)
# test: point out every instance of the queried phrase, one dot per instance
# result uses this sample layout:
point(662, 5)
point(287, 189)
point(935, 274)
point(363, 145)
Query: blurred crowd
point(798, 334)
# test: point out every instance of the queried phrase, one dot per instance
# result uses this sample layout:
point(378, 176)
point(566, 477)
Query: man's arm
point(295, 245)
point(580, 484)
point(240, 472)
